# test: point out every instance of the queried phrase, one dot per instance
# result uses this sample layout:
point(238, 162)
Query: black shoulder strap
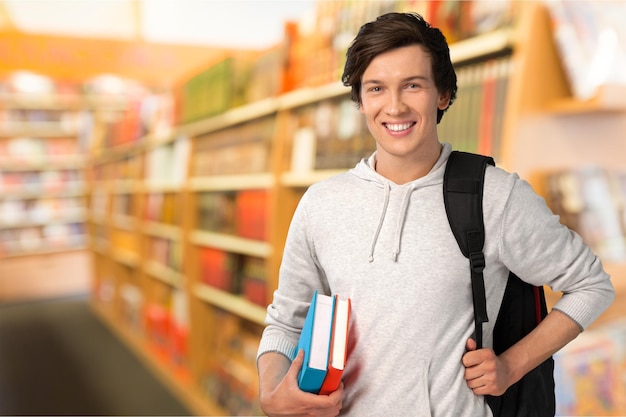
point(463, 199)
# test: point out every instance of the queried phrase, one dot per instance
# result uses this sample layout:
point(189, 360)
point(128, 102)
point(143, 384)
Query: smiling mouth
point(398, 127)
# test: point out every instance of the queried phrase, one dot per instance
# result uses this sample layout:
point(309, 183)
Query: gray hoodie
point(390, 249)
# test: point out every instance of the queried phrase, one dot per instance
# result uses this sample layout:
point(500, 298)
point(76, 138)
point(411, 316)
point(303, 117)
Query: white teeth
point(399, 127)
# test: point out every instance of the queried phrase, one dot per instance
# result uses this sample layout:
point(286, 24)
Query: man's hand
point(485, 373)
point(287, 400)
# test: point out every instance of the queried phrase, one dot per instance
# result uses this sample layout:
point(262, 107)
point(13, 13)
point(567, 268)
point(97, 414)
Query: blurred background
point(152, 153)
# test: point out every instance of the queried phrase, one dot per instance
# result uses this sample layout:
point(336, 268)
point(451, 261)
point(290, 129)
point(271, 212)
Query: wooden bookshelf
point(207, 197)
point(43, 236)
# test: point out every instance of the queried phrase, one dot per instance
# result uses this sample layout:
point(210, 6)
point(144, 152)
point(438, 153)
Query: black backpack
point(523, 305)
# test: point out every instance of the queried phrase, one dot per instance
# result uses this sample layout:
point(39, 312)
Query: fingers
point(470, 344)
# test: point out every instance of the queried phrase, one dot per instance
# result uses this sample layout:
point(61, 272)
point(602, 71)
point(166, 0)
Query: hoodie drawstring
point(401, 219)
point(380, 221)
point(400, 224)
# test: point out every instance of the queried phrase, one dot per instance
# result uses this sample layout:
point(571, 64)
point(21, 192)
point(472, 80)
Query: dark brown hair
point(395, 30)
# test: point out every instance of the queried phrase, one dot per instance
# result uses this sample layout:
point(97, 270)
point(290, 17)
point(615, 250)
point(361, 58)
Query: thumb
point(296, 365)
point(470, 344)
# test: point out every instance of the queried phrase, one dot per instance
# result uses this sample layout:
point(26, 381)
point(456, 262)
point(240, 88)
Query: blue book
point(315, 341)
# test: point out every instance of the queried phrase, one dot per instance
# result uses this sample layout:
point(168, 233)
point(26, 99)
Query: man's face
point(400, 100)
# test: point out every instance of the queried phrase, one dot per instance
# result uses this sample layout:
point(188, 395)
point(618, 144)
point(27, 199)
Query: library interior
point(181, 162)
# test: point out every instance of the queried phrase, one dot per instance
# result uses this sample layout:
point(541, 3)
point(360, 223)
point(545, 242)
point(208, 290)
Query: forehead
point(407, 61)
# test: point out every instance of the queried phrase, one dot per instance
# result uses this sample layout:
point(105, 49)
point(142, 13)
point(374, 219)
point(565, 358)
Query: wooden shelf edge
point(187, 393)
point(609, 98)
point(231, 243)
point(45, 252)
point(164, 230)
point(305, 179)
point(231, 182)
point(164, 274)
point(482, 45)
point(126, 257)
point(232, 303)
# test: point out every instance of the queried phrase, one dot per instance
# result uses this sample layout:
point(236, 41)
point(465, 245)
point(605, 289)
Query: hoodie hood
point(365, 170)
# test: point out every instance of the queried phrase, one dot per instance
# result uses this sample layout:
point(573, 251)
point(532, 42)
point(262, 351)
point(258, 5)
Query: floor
point(58, 358)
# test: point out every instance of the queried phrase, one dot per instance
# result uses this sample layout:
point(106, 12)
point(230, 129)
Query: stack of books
point(324, 340)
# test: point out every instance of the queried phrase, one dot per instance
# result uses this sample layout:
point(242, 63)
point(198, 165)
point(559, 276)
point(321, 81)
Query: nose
point(395, 105)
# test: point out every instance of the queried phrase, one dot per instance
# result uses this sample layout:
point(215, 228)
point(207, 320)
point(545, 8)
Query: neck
point(403, 169)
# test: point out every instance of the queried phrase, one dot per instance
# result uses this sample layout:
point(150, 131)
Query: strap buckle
point(477, 262)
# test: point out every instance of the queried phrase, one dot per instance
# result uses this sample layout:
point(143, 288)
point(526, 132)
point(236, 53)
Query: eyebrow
point(404, 80)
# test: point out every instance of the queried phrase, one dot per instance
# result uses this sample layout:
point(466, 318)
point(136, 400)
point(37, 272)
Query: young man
point(379, 235)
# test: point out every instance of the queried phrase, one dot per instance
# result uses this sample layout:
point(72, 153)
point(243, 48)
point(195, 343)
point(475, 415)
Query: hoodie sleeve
point(300, 275)
point(542, 251)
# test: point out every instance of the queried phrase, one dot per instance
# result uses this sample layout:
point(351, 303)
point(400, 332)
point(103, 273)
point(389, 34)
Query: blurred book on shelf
point(592, 201)
point(591, 41)
point(590, 373)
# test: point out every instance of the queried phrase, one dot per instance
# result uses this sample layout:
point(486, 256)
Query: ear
point(444, 101)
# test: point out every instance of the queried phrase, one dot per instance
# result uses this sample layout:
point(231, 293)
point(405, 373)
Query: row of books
point(230, 378)
point(243, 213)
point(17, 212)
point(62, 180)
point(208, 93)
point(37, 150)
point(592, 201)
point(129, 167)
point(168, 163)
point(242, 149)
point(164, 323)
point(324, 340)
point(166, 252)
point(124, 204)
point(53, 236)
point(474, 122)
point(125, 240)
point(164, 208)
point(331, 134)
point(590, 373)
point(313, 51)
point(234, 273)
point(62, 117)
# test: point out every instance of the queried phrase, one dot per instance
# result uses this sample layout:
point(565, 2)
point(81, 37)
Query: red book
point(338, 346)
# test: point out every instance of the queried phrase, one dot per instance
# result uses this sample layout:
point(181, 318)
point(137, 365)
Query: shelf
point(37, 129)
point(305, 179)
point(53, 101)
point(231, 243)
point(45, 163)
point(58, 219)
point(125, 186)
point(230, 117)
point(231, 303)
point(310, 95)
point(125, 222)
point(188, 392)
point(51, 249)
point(163, 230)
point(126, 257)
point(151, 186)
point(608, 99)
point(98, 218)
point(26, 192)
point(483, 45)
point(231, 182)
point(164, 274)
